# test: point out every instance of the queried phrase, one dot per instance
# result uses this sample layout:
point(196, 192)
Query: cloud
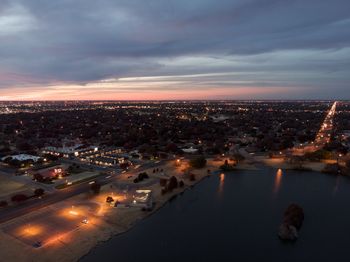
point(225, 44)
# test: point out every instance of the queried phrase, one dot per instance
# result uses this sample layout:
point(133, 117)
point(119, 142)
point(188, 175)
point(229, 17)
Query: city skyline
point(178, 50)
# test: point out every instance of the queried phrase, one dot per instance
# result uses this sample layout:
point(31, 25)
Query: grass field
point(8, 186)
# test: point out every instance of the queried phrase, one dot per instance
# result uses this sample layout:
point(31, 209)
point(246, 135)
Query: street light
point(339, 156)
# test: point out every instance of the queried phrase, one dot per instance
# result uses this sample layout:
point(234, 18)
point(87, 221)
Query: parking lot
point(52, 225)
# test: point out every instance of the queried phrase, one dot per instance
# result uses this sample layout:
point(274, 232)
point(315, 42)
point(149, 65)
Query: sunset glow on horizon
point(118, 50)
point(77, 92)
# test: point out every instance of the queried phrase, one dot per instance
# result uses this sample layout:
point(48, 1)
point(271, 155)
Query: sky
point(174, 49)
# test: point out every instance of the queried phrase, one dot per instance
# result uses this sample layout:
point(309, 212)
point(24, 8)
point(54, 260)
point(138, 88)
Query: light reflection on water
point(278, 179)
point(245, 215)
point(221, 184)
point(336, 186)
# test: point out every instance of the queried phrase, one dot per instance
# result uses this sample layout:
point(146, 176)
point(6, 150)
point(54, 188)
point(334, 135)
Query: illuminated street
point(323, 136)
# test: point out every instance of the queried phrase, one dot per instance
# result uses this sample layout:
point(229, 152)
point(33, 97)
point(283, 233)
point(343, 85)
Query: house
point(22, 157)
point(70, 151)
point(142, 198)
point(190, 150)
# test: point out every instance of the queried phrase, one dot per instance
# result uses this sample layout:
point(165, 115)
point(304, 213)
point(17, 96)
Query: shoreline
point(114, 222)
point(242, 167)
point(176, 193)
point(152, 213)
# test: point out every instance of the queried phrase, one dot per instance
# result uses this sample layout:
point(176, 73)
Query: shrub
point(142, 176)
point(227, 167)
point(39, 192)
point(19, 198)
point(192, 177)
point(181, 184)
point(172, 183)
point(38, 177)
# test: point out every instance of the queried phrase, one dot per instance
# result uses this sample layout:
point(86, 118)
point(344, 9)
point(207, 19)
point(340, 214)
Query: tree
point(95, 188)
point(192, 177)
point(7, 160)
point(142, 176)
point(39, 192)
point(109, 199)
point(50, 157)
point(318, 155)
point(74, 168)
point(3, 203)
point(172, 183)
point(38, 177)
point(19, 198)
point(172, 147)
point(198, 162)
point(124, 165)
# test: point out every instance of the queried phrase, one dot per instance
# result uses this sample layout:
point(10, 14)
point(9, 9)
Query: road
point(322, 137)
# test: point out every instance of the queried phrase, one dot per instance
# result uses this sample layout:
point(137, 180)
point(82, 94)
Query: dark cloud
point(292, 43)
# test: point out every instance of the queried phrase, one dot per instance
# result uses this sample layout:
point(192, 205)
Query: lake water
point(235, 217)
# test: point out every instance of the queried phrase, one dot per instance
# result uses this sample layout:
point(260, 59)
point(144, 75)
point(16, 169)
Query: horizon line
point(171, 100)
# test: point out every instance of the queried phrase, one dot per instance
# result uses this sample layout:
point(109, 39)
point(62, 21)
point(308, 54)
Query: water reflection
point(336, 186)
point(278, 179)
point(221, 184)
